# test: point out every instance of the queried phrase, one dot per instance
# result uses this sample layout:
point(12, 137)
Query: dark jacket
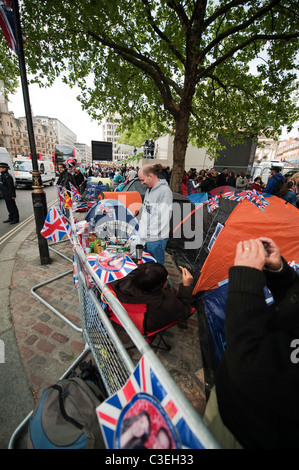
point(64, 180)
point(162, 308)
point(272, 183)
point(79, 179)
point(208, 184)
point(257, 384)
point(7, 186)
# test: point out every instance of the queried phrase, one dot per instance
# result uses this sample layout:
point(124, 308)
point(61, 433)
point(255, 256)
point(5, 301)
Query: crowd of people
point(205, 180)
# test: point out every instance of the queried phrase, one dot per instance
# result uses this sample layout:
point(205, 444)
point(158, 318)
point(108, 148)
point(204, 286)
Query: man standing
point(65, 177)
point(7, 188)
point(221, 179)
point(156, 212)
point(275, 181)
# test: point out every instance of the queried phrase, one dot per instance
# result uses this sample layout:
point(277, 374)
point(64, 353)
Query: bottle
point(92, 230)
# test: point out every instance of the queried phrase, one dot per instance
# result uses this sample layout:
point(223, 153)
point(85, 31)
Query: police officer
point(7, 188)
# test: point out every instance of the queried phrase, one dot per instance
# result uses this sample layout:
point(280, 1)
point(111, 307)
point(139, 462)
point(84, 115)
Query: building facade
point(110, 134)
point(83, 151)
point(47, 132)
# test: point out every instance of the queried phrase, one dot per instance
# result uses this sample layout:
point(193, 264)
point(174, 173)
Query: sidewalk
point(40, 346)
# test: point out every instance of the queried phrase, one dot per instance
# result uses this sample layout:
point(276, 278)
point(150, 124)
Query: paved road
point(25, 206)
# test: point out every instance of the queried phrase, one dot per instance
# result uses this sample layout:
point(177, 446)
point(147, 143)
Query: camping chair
point(138, 313)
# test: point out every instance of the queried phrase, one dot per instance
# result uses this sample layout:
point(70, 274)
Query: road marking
point(19, 226)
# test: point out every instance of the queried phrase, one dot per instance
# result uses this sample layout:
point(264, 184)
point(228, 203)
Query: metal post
point(38, 194)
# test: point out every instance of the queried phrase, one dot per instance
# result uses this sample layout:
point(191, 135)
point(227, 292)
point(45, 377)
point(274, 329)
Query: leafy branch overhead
point(197, 66)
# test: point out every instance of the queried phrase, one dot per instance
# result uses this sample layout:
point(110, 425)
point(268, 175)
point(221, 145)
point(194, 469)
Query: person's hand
point(186, 276)
point(250, 253)
point(273, 258)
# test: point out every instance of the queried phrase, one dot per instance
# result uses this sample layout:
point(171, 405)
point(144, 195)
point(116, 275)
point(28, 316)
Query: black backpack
point(65, 416)
point(278, 186)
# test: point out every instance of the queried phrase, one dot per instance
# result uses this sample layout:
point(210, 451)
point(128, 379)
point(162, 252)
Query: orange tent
point(280, 221)
point(131, 199)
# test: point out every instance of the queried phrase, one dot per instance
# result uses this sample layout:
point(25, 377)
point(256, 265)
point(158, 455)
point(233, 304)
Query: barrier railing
point(110, 355)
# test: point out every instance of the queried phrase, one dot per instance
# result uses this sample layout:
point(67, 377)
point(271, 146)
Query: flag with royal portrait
point(145, 396)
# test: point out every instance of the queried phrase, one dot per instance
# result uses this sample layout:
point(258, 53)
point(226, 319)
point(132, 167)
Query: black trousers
point(13, 213)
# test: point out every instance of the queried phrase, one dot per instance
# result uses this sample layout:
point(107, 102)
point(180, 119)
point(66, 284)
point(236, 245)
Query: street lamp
point(38, 194)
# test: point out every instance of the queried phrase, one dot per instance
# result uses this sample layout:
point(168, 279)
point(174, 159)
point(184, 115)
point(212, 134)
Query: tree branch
point(162, 35)
point(148, 66)
point(257, 37)
point(240, 27)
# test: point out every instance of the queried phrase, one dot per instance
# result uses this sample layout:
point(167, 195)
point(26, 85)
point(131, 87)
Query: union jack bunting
point(75, 193)
point(7, 24)
point(144, 391)
point(55, 226)
point(110, 266)
point(253, 196)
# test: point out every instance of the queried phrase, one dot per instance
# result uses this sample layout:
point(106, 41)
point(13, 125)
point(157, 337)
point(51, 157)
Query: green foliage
point(9, 69)
point(178, 64)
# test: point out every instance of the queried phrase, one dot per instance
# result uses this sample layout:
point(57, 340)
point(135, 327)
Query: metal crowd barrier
point(110, 355)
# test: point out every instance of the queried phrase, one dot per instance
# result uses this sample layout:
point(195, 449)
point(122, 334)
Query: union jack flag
point(60, 192)
point(110, 266)
point(75, 193)
point(213, 204)
point(55, 226)
point(144, 392)
point(7, 24)
point(146, 258)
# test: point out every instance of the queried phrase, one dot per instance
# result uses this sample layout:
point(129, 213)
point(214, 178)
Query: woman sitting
point(148, 284)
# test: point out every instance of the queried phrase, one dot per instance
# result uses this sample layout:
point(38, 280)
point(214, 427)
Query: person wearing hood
point(147, 284)
point(156, 212)
point(8, 191)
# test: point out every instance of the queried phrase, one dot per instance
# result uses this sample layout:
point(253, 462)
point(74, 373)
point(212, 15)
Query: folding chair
point(138, 314)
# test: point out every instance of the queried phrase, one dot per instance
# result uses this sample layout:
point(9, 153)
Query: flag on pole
point(60, 198)
point(75, 193)
point(7, 24)
point(55, 226)
point(67, 200)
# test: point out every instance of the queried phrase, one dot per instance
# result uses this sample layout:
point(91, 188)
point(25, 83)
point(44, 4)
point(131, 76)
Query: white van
point(263, 169)
point(23, 175)
point(5, 158)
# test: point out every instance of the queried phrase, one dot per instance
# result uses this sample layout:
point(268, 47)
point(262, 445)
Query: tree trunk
point(179, 151)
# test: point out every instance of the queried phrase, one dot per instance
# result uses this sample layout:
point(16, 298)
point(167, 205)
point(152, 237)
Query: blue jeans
point(157, 249)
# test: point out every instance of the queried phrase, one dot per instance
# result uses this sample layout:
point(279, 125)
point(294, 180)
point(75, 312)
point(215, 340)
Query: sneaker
point(15, 221)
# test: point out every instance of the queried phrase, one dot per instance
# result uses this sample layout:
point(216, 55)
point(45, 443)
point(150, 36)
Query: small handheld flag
point(55, 226)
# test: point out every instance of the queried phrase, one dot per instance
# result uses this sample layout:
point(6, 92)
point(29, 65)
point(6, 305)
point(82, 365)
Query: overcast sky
point(58, 102)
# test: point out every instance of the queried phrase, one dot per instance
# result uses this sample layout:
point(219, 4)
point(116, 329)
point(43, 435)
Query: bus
point(64, 153)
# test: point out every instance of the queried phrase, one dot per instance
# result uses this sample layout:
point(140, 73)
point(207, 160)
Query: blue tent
point(112, 218)
point(198, 198)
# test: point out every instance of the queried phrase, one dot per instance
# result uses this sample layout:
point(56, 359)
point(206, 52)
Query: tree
point(9, 69)
point(185, 61)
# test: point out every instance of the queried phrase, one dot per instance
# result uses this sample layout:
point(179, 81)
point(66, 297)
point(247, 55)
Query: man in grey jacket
point(156, 213)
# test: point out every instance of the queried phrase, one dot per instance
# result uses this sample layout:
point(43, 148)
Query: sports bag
point(65, 417)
